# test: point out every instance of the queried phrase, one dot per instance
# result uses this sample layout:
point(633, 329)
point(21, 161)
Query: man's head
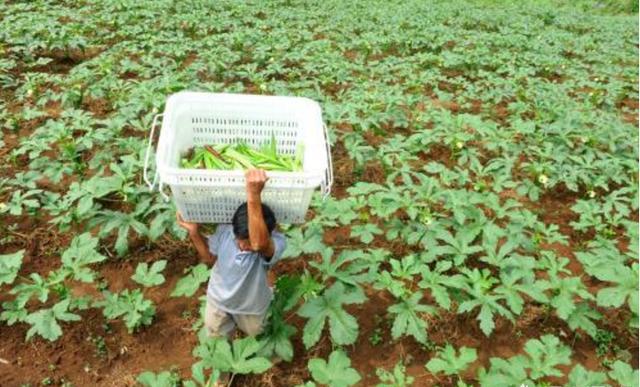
point(240, 221)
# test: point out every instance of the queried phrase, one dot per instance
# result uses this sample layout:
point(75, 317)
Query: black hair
point(240, 220)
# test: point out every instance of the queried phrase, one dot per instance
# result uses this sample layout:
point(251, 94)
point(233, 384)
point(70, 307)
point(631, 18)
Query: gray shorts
point(220, 323)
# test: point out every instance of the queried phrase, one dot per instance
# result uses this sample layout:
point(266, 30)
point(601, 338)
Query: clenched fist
point(256, 179)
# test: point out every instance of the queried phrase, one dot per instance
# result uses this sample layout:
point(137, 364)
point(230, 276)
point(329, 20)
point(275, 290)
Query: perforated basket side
point(215, 178)
point(218, 204)
point(255, 132)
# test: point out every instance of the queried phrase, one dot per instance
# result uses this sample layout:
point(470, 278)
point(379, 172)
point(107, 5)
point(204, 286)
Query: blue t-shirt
point(238, 282)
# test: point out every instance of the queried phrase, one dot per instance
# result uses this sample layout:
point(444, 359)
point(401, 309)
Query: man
point(238, 294)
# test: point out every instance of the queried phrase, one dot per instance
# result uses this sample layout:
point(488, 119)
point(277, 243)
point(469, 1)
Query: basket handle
point(161, 190)
point(328, 183)
point(145, 172)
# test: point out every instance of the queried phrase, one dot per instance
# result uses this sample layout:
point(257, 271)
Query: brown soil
point(501, 112)
point(628, 103)
point(373, 139)
point(343, 171)
point(75, 54)
point(64, 60)
point(555, 207)
point(476, 106)
point(128, 75)
point(446, 86)
point(75, 357)
point(53, 109)
point(99, 107)
point(449, 105)
point(344, 127)
point(188, 61)
point(631, 119)
point(337, 235)
point(373, 172)
point(351, 55)
point(454, 107)
point(56, 66)
point(334, 89)
point(438, 153)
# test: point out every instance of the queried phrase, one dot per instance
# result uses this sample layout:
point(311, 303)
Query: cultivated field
point(482, 229)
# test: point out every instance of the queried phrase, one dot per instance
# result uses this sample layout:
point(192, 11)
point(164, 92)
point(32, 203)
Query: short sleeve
point(279, 246)
point(216, 238)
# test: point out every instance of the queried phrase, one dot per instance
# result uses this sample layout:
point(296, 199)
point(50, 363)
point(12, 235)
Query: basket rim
point(249, 100)
point(236, 172)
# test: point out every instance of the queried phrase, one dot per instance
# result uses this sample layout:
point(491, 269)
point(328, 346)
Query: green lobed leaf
point(81, 253)
point(44, 322)
point(150, 276)
point(622, 373)
point(545, 355)
point(336, 372)
point(9, 266)
point(449, 363)
point(188, 285)
point(343, 327)
point(580, 377)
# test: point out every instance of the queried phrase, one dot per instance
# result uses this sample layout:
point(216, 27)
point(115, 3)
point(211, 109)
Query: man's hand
point(256, 179)
point(192, 228)
point(198, 240)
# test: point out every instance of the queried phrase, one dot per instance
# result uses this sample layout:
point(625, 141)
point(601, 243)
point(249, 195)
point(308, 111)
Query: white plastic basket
point(212, 196)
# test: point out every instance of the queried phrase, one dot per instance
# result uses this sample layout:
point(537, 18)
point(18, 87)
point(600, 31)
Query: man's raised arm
point(258, 233)
point(198, 240)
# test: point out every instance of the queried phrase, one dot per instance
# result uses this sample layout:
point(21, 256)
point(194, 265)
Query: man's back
point(238, 282)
